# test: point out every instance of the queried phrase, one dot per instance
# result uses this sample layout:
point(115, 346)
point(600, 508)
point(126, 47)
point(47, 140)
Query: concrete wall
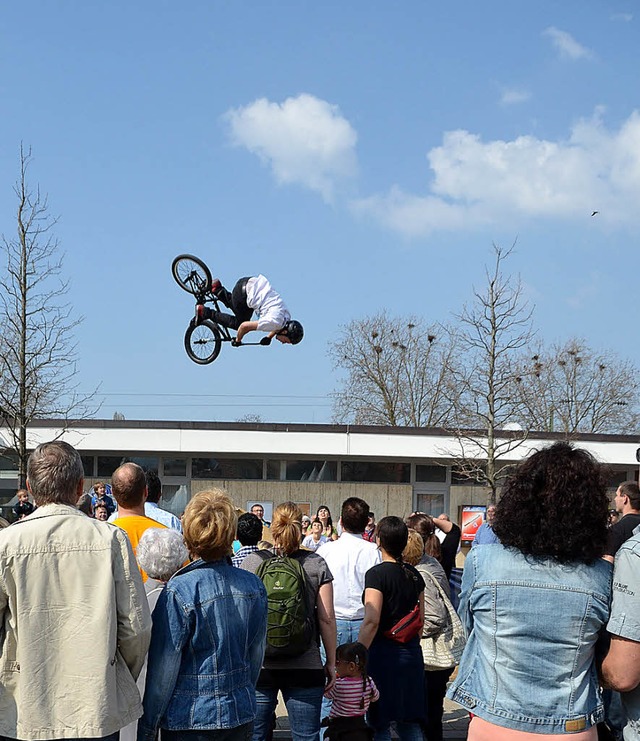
point(466, 494)
point(383, 499)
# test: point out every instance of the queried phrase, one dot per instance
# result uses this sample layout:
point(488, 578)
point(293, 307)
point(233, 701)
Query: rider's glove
point(265, 341)
point(235, 342)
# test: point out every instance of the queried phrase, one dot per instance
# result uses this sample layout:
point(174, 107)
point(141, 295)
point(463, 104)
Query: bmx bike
point(202, 341)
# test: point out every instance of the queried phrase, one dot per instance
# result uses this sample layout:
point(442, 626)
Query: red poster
point(470, 520)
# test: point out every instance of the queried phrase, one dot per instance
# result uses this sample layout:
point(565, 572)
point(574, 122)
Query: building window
point(226, 468)
point(312, 470)
point(107, 464)
point(273, 470)
point(436, 474)
point(8, 462)
point(87, 465)
point(376, 472)
point(459, 478)
point(432, 504)
point(617, 478)
point(150, 462)
point(174, 466)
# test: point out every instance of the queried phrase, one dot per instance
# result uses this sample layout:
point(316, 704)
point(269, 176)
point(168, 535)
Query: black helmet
point(293, 330)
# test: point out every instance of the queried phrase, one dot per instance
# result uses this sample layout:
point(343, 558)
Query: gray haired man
point(75, 624)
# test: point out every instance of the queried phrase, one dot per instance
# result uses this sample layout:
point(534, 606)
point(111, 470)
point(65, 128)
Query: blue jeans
point(347, 631)
point(240, 733)
point(406, 732)
point(303, 706)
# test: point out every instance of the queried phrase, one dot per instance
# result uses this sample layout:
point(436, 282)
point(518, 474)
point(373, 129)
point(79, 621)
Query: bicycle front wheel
point(191, 274)
point(203, 342)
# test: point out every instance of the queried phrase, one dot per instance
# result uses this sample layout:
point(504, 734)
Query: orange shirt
point(134, 526)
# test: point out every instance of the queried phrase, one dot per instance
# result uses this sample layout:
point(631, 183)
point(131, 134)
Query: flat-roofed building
point(396, 469)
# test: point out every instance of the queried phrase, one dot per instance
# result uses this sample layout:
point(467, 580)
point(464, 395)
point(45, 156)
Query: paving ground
point(455, 722)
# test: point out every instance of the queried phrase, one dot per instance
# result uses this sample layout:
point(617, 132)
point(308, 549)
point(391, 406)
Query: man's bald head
point(129, 486)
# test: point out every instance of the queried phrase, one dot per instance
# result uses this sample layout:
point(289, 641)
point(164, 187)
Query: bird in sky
point(595, 212)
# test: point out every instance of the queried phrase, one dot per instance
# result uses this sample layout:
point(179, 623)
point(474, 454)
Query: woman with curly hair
point(534, 604)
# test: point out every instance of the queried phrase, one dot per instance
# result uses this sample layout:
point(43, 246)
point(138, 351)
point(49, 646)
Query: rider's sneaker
point(202, 313)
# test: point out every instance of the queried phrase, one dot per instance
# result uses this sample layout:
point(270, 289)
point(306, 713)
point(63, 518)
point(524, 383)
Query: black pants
point(435, 687)
point(348, 729)
point(235, 300)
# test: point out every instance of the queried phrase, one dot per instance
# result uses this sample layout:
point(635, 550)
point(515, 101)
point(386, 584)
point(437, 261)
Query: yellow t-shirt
point(134, 526)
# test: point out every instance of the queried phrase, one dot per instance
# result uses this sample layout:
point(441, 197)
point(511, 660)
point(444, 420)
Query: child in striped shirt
point(351, 695)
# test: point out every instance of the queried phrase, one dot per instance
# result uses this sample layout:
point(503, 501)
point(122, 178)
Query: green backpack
point(289, 625)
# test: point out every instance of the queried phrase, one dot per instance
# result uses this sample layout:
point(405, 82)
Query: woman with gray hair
point(161, 552)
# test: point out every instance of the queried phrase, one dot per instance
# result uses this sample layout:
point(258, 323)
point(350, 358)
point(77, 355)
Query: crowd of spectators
point(152, 625)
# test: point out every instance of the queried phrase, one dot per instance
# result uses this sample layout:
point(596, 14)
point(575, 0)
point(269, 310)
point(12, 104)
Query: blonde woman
point(301, 679)
point(436, 615)
point(208, 637)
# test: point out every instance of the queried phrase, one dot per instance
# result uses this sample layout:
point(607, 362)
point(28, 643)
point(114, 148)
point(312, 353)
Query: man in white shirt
point(249, 295)
point(349, 558)
point(151, 508)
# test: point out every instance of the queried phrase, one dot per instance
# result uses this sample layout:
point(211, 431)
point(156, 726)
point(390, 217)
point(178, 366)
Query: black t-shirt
point(22, 509)
point(620, 532)
point(449, 548)
point(400, 584)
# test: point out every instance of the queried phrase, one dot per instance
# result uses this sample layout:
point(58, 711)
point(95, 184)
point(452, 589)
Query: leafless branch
point(38, 354)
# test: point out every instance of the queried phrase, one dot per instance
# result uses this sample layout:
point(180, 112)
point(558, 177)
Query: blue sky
point(362, 155)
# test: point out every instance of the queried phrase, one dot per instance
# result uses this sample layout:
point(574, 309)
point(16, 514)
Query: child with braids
point(351, 694)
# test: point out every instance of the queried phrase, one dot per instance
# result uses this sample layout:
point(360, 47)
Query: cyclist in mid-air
point(249, 295)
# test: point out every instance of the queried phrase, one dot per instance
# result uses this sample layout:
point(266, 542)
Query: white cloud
point(624, 17)
point(304, 140)
point(511, 96)
point(566, 45)
point(476, 183)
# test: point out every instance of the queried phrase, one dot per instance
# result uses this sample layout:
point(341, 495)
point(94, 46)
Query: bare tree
point(251, 417)
point(396, 371)
point(37, 348)
point(492, 331)
point(572, 388)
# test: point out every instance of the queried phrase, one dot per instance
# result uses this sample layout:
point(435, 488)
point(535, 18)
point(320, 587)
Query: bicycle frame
point(203, 340)
point(225, 333)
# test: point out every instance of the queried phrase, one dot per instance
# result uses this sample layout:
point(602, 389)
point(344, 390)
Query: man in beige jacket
point(74, 620)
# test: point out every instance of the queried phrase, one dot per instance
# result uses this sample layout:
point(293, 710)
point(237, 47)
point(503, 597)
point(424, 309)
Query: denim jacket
point(207, 646)
point(532, 625)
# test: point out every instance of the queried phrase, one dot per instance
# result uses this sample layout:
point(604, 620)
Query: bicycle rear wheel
point(203, 342)
point(191, 274)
